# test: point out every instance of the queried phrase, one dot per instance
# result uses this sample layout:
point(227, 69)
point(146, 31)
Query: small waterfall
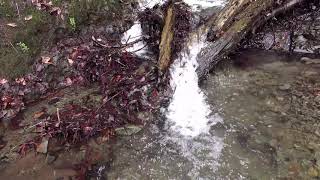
point(188, 110)
point(132, 35)
point(135, 32)
point(189, 116)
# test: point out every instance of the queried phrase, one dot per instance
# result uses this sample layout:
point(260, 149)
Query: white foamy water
point(188, 110)
point(189, 115)
point(135, 32)
point(132, 35)
point(203, 4)
point(149, 3)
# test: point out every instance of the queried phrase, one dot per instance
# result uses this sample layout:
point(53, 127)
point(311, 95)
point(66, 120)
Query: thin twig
point(58, 116)
point(109, 100)
point(283, 8)
point(18, 10)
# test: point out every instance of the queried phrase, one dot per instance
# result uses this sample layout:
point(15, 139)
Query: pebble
point(307, 60)
point(285, 87)
point(43, 147)
point(50, 159)
point(313, 172)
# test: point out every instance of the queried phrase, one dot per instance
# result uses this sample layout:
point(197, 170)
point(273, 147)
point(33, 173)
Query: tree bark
point(232, 25)
point(165, 55)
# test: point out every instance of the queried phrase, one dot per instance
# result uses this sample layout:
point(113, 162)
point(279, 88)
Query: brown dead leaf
point(28, 18)
point(12, 24)
point(55, 11)
point(70, 61)
point(3, 81)
point(46, 60)
point(37, 115)
point(69, 81)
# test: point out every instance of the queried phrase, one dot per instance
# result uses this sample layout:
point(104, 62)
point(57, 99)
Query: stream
point(256, 116)
point(229, 128)
point(238, 125)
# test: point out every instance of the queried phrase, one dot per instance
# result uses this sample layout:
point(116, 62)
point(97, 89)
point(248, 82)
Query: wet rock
point(128, 130)
point(65, 173)
point(2, 130)
point(50, 159)
point(268, 41)
point(43, 147)
point(307, 60)
point(53, 100)
point(243, 139)
point(285, 87)
point(218, 129)
point(313, 172)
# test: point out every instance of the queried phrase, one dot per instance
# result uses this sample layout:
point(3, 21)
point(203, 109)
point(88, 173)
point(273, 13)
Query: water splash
point(203, 4)
point(134, 36)
point(150, 3)
point(188, 110)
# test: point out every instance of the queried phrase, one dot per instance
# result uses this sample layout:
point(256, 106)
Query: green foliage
point(23, 47)
point(72, 23)
point(6, 9)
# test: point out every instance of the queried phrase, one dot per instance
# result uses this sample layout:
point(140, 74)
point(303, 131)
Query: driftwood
point(166, 42)
point(226, 31)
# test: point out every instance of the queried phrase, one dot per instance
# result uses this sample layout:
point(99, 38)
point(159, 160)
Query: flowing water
point(229, 128)
point(239, 125)
point(181, 147)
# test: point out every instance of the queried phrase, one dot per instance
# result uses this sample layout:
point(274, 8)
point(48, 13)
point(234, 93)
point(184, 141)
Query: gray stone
point(50, 159)
point(128, 130)
point(285, 87)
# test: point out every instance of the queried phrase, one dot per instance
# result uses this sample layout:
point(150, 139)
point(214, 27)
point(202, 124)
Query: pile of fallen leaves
point(47, 5)
point(127, 83)
point(129, 88)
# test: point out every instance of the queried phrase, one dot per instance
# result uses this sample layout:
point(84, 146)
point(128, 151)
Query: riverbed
point(260, 130)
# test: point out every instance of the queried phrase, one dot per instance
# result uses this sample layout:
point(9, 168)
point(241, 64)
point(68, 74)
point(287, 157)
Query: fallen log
point(175, 32)
point(294, 32)
point(165, 47)
point(232, 25)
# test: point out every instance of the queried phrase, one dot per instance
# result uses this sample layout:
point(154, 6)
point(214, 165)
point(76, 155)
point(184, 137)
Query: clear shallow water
point(199, 136)
point(188, 117)
point(254, 135)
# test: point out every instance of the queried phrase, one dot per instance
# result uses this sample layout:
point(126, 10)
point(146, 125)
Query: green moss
point(13, 63)
point(25, 42)
point(6, 9)
point(39, 32)
point(94, 11)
